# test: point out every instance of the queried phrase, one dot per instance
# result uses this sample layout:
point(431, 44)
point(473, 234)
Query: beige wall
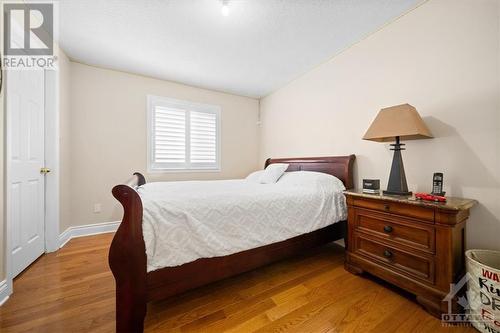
point(108, 136)
point(443, 58)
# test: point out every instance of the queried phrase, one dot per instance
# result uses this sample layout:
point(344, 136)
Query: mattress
point(189, 220)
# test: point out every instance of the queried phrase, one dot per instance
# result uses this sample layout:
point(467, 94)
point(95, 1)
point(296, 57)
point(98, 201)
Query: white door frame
point(52, 160)
point(51, 95)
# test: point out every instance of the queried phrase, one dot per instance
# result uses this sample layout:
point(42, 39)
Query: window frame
point(188, 107)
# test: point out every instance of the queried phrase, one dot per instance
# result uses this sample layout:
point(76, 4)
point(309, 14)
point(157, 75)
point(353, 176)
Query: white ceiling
point(258, 48)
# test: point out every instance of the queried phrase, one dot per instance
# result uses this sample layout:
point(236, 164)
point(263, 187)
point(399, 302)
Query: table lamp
point(396, 123)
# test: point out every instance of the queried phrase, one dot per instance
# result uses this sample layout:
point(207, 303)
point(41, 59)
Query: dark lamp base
point(397, 179)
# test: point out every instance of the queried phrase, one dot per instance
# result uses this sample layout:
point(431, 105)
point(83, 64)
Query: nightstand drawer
point(416, 235)
point(391, 207)
point(420, 267)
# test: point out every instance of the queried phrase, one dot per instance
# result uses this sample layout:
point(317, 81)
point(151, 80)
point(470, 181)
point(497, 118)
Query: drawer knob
point(387, 254)
point(387, 228)
point(387, 207)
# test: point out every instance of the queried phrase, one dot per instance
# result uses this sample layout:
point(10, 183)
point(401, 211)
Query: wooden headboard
point(338, 166)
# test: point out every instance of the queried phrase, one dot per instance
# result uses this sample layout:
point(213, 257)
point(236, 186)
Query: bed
point(139, 280)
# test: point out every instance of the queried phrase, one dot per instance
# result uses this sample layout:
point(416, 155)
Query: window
point(182, 135)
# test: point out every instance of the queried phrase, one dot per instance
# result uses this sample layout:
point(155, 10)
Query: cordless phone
point(437, 184)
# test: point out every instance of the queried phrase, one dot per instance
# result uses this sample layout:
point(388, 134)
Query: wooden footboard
point(127, 259)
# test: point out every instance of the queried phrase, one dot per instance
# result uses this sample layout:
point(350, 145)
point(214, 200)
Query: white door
point(25, 158)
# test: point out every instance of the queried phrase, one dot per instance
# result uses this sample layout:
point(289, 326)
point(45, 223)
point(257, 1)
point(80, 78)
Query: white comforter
point(185, 221)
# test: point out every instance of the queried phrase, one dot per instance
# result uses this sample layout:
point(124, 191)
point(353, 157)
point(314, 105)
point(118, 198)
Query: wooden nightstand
point(416, 245)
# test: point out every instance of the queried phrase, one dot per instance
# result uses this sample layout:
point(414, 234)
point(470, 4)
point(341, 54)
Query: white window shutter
point(182, 135)
point(203, 138)
point(169, 136)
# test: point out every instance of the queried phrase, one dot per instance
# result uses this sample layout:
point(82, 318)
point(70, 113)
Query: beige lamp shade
point(400, 120)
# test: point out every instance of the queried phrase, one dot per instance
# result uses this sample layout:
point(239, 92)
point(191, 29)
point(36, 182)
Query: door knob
point(44, 170)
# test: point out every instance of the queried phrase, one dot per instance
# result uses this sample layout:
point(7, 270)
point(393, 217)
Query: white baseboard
point(4, 292)
point(87, 230)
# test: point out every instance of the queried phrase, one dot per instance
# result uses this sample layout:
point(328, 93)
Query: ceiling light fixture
point(225, 8)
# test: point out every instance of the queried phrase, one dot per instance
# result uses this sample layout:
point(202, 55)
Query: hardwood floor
point(72, 290)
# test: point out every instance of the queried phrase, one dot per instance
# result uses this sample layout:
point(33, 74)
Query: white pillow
point(273, 172)
point(312, 179)
point(254, 177)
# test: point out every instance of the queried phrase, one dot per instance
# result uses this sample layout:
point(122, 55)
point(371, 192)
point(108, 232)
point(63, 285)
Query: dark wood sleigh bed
point(127, 255)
